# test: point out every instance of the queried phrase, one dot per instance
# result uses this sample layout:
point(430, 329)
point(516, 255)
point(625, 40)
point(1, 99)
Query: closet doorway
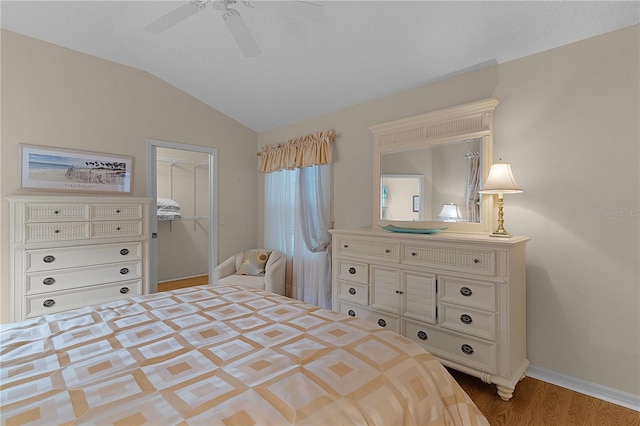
point(182, 183)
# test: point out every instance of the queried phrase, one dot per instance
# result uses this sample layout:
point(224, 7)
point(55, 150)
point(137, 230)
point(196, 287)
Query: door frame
point(152, 192)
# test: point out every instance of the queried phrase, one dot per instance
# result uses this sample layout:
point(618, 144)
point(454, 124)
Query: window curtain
point(310, 150)
point(473, 187)
point(298, 213)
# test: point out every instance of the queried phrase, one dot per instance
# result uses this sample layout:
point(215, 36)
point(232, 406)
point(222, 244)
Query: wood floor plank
point(186, 282)
point(537, 403)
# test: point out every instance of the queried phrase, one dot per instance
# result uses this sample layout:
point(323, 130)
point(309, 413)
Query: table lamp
point(500, 181)
point(450, 213)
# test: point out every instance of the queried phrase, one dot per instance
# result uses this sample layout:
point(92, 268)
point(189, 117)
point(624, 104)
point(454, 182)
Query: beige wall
point(58, 97)
point(568, 123)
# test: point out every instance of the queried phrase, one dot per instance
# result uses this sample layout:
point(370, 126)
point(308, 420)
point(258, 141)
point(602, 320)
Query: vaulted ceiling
point(358, 51)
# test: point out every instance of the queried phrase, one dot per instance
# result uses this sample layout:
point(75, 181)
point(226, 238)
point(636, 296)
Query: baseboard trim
point(595, 390)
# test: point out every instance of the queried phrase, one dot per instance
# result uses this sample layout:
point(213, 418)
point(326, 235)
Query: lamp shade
point(450, 212)
point(500, 180)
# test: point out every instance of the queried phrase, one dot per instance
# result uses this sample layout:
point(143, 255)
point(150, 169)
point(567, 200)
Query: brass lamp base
point(500, 232)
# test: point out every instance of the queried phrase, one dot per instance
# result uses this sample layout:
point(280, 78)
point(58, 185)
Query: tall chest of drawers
point(462, 297)
point(69, 251)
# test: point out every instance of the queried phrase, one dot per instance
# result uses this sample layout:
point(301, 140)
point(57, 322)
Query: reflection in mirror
point(440, 175)
point(400, 197)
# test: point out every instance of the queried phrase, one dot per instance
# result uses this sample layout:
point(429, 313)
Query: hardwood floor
point(187, 282)
point(534, 402)
point(539, 403)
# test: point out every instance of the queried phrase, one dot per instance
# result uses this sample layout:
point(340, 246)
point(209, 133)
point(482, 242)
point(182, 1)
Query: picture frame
point(416, 203)
point(60, 169)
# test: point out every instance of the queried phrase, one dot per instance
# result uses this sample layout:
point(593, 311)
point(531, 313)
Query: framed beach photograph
point(58, 169)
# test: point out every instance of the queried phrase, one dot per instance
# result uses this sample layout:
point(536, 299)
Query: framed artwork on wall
point(58, 169)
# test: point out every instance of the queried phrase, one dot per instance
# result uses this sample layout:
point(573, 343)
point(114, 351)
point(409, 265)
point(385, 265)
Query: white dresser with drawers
point(71, 251)
point(461, 296)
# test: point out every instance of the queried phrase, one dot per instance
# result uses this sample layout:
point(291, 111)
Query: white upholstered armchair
point(232, 271)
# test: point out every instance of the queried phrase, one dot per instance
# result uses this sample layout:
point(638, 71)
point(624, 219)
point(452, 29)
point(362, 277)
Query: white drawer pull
point(48, 259)
point(466, 319)
point(467, 349)
point(48, 303)
point(466, 291)
point(48, 281)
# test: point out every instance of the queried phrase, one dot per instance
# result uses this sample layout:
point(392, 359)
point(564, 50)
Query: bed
point(227, 355)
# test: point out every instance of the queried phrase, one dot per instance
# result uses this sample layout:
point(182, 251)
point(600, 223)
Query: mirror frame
point(468, 121)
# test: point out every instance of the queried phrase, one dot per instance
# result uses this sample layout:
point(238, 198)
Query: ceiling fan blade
point(291, 9)
point(241, 34)
point(174, 16)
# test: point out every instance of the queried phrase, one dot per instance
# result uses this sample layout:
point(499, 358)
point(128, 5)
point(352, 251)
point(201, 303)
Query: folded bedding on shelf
point(168, 209)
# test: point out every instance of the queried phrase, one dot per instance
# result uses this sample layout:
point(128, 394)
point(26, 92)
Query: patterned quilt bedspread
point(212, 355)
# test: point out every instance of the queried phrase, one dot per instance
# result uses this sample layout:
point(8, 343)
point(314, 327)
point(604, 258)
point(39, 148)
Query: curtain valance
point(306, 151)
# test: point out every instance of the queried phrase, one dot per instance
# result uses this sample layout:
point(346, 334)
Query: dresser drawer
point(384, 320)
point(124, 211)
point(465, 350)
point(65, 279)
point(369, 249)
point(71, 299)
point(61, 231)
point(353, 271)
point(354, 293)
point(454, 258)
point(116, 229)
point(51, 212)
point(71, 257)
point(476, 294)
point(468, 320)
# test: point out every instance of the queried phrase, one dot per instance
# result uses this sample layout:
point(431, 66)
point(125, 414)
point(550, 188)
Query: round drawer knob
point(413, 253)
point(352, 291)
point(351, 313)
point(48, 281)
point(466, 291)
point(48, 259)
point(422, 335)
point(466, 319)
point(346, 246)
point(466, 349)
point(387, 251)
point(124, 271)
point(117, 211)
point(56, 212)
point(476, 260)
point(382, 323)
point(118, 228)
point(57, 231)
point(124, 290)
point(352, 270)
point(124, 252)
point(48, 303)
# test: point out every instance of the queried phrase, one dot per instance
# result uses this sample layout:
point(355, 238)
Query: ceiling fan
point(236, 25)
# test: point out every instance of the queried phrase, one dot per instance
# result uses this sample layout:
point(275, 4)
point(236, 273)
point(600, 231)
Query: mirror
point(428, 169)
point(417, 184)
